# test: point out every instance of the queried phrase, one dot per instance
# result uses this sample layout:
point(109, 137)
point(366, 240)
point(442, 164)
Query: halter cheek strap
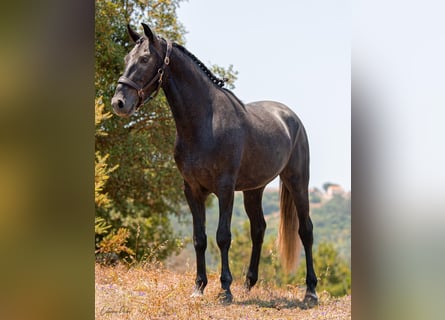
point(158, 77)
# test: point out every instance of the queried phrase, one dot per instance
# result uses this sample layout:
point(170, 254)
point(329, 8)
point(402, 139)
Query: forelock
point(140, 46)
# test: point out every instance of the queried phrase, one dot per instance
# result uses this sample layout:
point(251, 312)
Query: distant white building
point(334, 190)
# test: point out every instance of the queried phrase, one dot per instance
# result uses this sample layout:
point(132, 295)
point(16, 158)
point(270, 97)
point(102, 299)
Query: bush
point(111, 245)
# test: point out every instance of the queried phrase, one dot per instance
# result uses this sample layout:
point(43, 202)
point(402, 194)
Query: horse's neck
point(188, 92)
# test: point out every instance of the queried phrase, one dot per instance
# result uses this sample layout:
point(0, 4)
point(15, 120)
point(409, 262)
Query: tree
point(315, 195)
point(106, 243)
point(332, 223)
point(146, 185)
point(326, 186)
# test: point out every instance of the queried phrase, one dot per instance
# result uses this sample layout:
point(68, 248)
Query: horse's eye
point(144, 59)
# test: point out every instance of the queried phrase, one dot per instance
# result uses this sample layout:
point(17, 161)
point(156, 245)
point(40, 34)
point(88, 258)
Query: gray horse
point(223, 145)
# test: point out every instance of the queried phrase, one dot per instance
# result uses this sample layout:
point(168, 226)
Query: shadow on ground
point(277, 303)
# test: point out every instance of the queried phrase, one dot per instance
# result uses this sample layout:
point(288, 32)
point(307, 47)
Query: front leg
point(224, 238)
point(196, 201)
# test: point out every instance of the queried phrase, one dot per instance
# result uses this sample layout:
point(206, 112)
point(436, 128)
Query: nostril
point(120, 104)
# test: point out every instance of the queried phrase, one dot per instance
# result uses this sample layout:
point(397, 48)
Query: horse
point(222, 146)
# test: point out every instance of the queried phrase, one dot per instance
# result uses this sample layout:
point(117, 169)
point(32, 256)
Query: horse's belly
point(259, 168)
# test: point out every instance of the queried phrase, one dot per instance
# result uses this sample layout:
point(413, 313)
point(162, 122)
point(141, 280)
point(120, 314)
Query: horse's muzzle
point(119, 107)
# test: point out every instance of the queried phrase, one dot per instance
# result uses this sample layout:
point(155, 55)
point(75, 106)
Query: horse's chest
point(194, 168)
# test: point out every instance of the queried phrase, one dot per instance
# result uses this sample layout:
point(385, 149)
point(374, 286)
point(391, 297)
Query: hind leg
point(306, 235)
point(298, 186)
point(252, 204)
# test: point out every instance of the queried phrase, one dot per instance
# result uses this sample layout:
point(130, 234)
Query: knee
point(223, 238)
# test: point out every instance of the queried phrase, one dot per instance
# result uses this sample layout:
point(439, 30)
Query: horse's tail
point(289, 243)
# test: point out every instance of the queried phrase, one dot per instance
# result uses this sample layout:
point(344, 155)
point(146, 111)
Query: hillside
point(153, 292)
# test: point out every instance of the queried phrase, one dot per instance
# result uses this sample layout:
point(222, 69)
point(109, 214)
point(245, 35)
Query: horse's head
point(144, 68)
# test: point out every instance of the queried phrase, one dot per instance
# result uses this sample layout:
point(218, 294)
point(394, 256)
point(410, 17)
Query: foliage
point(152, 237)
point(271, 202)
point(332, 223)
point(139, 239)
point(139, 184)
point(102, 170)
point(100, 115)
point(111, 245)
point(326, 186)
point(100, 226)
point(333, 272)
point(315, 196)
point(143, 182)
point(229, 75)
point(115, 242)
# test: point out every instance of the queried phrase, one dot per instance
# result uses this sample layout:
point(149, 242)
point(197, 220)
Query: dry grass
point(149, 292)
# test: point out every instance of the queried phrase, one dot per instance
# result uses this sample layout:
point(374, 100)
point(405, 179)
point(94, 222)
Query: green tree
point(107, 243)
point(146, 185)
point(326, 186)
point(332, 223)
point(229, 75)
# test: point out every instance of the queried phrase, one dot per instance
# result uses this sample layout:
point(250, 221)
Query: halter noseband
point(157, 77)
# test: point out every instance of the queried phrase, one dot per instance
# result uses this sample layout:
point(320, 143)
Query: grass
point(149, 291)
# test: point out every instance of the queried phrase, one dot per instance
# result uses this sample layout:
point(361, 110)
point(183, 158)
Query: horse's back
point(273, 117)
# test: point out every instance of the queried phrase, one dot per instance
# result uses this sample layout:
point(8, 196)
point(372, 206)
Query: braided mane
point(219, 82)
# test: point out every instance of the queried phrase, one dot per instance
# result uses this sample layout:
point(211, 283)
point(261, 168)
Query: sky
point(294, 52)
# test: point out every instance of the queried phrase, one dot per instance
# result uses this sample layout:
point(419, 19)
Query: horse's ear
point(150, 34)
point(133, 35)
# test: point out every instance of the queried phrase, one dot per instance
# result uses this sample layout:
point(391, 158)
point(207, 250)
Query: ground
point(152, 292)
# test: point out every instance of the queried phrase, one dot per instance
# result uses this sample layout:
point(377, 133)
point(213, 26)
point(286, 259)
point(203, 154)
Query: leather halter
point(158, 77)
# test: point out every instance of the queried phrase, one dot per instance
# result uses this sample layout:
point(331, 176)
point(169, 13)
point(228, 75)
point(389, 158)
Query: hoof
point(310, 299)
point(247, 286)
point(225, 297)
point(250, 282)
point(197, 294)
